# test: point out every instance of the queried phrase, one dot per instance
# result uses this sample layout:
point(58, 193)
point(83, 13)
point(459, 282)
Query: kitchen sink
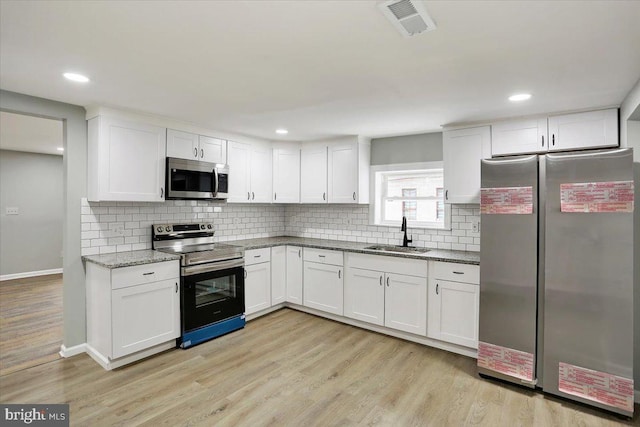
point(400, 249)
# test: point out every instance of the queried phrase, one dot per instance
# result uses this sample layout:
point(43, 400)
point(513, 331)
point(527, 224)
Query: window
point(415, 191)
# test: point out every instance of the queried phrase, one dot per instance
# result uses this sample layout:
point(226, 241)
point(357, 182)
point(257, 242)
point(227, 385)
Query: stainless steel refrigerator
point(556, 275)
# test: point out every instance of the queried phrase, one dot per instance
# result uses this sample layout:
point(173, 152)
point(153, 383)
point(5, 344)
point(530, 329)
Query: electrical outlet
point(12, 211)
point(476, 226)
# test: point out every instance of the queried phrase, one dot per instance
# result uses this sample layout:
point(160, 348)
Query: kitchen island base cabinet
point(454, 305)
point(132, 312)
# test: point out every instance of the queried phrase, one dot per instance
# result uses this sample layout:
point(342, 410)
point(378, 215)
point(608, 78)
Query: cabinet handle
point(257, 256)
point(553, 139)
point(446, 195)
point(543, 140)
point(248, 195)
point(253, 195)
point(321, 256)
point(195, 152)
point(387, 282)
point(176, 287)
point(437, 285)
point(354, 195)
point(380, 280)
point(148, 274)
point(324, 196)
point(245, 273)
point(458, 272)
point(202, 153)
point(275, 196)
point(299, 253)
point(161, 192)
point(339, 274)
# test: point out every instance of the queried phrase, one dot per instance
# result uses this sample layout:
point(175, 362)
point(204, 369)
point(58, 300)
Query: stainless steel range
point(212, 280)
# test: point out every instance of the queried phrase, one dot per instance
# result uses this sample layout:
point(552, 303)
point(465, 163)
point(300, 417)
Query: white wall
point(32, 240)
point(426, 147)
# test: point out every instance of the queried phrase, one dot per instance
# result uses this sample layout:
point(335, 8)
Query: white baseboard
point(109, 364)
point(72, 351)
point(30, 274)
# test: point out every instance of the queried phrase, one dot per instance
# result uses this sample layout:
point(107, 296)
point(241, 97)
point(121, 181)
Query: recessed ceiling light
point(76, 77)
point(520, 97)
point(282, 131)
point(60, 149)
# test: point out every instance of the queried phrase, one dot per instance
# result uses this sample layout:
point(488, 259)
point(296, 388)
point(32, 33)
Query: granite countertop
point(127, 259)
point(461, 257)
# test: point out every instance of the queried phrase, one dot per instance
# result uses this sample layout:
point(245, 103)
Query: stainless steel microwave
point(192, 179)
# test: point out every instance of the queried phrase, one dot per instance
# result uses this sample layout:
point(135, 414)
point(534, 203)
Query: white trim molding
point(30, 274)
point(72, 351)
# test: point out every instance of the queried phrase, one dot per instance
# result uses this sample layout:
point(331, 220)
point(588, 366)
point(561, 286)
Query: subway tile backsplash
point(125, 226)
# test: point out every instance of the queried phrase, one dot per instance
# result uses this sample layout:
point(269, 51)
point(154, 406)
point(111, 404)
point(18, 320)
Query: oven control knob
point(159, 229)
point(202, 226)
point(167, 228)
point(209, 226)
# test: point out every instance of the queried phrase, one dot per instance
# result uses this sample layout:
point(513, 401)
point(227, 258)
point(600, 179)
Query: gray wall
point(425, 147)
point(31, 240)
point(75, 187)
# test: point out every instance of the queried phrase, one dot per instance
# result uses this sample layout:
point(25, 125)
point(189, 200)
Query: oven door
point(190, 179)
point(211, 295)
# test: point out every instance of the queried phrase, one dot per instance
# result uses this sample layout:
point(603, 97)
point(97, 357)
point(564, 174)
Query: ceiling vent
point(408, 17)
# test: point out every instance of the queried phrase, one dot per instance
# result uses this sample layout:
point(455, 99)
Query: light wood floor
point(293, 369)
point(30, 322)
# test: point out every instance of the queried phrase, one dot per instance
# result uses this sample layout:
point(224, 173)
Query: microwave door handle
point(215, 182)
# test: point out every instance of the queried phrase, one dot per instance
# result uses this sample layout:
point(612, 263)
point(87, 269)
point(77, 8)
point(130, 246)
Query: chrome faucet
point(405, 241)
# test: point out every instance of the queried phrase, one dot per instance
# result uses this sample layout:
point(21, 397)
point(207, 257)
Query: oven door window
point(212, 296)
point(191, 181)
point(217, 290)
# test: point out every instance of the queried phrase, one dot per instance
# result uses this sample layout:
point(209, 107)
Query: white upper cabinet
point(335, 171)
point(185, 145)
point(519, 137)
point(213, 150)
point(249, 173)
point(286, 175)
point(348, 171)
point(462, 150)
point(593, 129)
point(126, 160)
point(313, 174)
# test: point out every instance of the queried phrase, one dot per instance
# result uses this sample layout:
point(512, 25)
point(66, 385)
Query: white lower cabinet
point(323, 282)
point(278, 274)
point(454, 305)
point(387, 298)
point(294, 275)
point(132, 312)
point(257, 280)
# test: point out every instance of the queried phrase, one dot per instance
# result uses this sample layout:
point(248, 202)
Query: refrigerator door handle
point(437, 285)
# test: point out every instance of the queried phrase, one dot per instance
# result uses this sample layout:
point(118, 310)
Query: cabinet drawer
point(323, 256)
point(146, 273)
point(255, 256)
point(455, 272)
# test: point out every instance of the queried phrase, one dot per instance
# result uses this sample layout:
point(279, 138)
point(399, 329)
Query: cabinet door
point(212, 150)
point(182, 145)
point(453, 312)
point(260, 174)
point(323, 287)
point(462, 151)
point(364, 295)
point(144, 316)
point(130, 161)
point(286, 175)
point(294, 275)
point(313, 174)
point(238, 158)
point(342, 173)
point(278, 274)
point(592, 129)
point(257, 287)
point(406, 303)
point(519, 137)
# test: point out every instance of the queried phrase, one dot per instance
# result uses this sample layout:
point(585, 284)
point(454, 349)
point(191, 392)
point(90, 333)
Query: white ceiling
point(322, 68)
point(32, 134)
